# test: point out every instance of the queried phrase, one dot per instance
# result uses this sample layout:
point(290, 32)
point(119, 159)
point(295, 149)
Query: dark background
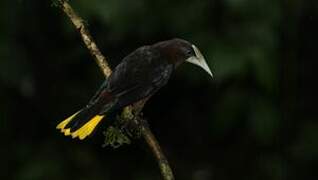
point(255, 120)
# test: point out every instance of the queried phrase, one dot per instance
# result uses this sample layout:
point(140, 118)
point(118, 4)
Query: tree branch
point(86, 37)
point(137, 107)
point(162, 161)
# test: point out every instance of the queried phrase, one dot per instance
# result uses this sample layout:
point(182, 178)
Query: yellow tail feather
point(82, 132)
point(62, 125)
point(87, 128)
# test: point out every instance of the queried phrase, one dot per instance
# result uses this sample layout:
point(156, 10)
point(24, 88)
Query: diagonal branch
point(103, 65)
point(86, 37)
point(162, 161)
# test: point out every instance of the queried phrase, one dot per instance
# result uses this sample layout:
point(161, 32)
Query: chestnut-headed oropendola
point(140, 75)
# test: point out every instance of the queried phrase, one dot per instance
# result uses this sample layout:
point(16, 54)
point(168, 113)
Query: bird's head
point(179, 51)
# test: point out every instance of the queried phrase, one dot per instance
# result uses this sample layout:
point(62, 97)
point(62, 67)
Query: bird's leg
point(138, 119)
point(138, 106)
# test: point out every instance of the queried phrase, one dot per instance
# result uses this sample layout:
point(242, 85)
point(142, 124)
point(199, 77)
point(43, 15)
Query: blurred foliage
point(255, 120)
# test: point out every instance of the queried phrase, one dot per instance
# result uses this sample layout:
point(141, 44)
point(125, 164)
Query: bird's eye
point(189, 52)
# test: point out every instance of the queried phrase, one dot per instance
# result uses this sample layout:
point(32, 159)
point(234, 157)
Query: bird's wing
point(98, 93)
point(139, 75)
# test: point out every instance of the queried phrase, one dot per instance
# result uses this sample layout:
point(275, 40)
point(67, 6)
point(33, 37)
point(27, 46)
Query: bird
point(137, 77)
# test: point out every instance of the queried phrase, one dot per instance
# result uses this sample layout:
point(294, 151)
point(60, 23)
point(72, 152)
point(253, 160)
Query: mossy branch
point(130, 113)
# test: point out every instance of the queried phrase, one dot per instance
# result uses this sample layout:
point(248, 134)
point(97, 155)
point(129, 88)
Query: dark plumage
point(140, 74)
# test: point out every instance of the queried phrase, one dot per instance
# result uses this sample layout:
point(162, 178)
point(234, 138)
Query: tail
point(81, 124)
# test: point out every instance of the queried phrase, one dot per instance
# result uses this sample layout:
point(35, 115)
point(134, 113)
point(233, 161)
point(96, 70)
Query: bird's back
point(140, 74)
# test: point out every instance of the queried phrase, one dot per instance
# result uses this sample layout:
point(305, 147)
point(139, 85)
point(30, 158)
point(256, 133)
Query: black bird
point(140, 75)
